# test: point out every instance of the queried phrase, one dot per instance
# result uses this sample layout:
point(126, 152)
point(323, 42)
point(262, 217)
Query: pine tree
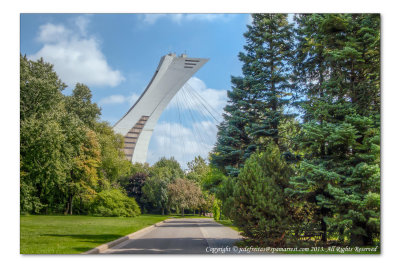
point(356, 202)
point(257, 100)
point(309, 65)
point(259, 205)
point(340, 171)
point(266, 71)
point(229, 152)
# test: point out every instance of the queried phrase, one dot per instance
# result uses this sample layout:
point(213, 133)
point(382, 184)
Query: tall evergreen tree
point(257, 101)
point(232, 139)
point(341, 134)
point(266, 70)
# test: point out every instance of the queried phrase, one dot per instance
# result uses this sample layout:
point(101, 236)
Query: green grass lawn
point(42, 234)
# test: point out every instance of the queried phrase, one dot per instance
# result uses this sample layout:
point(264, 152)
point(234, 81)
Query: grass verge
point(229, 224)
point(42, 234)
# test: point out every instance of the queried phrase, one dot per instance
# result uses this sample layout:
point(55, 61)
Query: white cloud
point(208, 17)
point(196, 96)
point(208, 126)
point(76, 57)
point(152, 18)
point(50, 33)
point(112, 99)
point(119, 99)
point(82, 22)
point(178, 18)
point(182, 143)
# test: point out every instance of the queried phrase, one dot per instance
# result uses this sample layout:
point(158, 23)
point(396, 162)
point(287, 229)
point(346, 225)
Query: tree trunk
point(323, 228)
point(67, 209)
point(71, 198)
point(368, 239)
point(361, 240)
point(162, 211)
point(183, 212)
point(356, 240)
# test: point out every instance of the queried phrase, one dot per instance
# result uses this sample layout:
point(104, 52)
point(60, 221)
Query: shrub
point(114, 203)
point(216, 210)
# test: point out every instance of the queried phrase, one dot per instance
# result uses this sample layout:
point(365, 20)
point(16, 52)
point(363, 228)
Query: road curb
point(104, 247)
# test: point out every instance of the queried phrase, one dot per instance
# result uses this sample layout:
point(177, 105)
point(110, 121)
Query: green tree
point(170, 167)
point(114, 164)
point(155, 188)
point(66, 155)
point(216, 208)
point(260, 207)
point(198, 170)
point(213, 180)
point(42, 146)
point(230, 150)
point(225, 192)
point(256, 105)
point(83, 178)
point(43, 170)
point(266, 70)
point(40, 88)
point(133, 184)
point(80, 104)
point(340, 138)
point(184, 194)
point(155, 191)
point(205, 202)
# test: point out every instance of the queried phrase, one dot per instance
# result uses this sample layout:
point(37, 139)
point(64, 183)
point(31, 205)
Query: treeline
point(72, 163)
point(166, 189)
point(300, 139)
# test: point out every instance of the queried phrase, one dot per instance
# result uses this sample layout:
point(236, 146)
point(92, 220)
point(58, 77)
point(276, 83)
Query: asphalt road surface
point(182, 236)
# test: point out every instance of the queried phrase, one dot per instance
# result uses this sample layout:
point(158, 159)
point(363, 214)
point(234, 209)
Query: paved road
point(181, 236)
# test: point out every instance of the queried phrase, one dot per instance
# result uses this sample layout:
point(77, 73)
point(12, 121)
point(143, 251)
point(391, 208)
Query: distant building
point(138, 123)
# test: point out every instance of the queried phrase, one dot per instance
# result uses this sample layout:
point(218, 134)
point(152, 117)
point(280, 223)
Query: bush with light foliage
point(114, 203)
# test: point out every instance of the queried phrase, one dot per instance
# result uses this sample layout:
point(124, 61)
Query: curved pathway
point(182, 236)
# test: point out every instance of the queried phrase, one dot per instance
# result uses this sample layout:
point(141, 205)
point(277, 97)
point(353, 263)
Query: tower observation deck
point(138, 123)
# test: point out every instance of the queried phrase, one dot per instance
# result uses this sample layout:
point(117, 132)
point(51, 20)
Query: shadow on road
point(168, 246)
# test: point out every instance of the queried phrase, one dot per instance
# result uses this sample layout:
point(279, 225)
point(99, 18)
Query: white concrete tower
point(138, 123)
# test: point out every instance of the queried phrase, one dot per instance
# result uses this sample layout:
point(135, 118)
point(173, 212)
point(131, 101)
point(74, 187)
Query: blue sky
point(117, 54)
